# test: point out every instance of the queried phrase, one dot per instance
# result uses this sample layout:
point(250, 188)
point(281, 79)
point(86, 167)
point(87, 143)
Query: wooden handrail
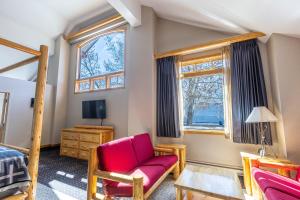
point(19, 64)
point(20, 47)
point(93, 27)
point(211, 45)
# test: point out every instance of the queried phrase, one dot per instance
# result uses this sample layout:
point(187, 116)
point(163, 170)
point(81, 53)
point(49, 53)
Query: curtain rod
point(93, 27)
point(211, 45)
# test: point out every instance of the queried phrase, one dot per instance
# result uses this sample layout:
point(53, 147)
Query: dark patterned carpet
point(64, 178)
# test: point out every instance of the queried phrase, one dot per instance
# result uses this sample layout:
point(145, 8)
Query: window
point(101, 63)
point(202, 88)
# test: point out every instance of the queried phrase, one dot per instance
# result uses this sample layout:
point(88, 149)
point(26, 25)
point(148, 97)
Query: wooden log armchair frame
point(34, 152)
point(283, 169)
point(136, 182)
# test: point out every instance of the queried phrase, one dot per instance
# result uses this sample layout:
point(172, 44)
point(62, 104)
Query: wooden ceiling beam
point(130, 9)
point(211, 45)
point(19, 47)
point(19, 64)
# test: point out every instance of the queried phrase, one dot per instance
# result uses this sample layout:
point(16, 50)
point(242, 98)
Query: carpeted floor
point(64, 178)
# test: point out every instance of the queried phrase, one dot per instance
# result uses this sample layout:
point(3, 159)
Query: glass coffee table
point(209, 181)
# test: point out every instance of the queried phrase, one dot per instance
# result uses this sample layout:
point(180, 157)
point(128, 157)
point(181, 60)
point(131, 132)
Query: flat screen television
point(95, 109)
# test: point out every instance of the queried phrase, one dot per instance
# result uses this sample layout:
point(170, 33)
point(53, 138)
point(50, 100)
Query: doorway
point(4, 98)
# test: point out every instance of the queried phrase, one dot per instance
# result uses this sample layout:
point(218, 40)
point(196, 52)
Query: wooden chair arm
point(135, 181)
point(277, 164)
point(113, 176)
point(164, 150)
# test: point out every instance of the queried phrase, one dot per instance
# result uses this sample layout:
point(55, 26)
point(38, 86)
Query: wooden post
point(37, 121)
point(176, 170)
point(179, 195)
point(138, 188)
point(92, 179)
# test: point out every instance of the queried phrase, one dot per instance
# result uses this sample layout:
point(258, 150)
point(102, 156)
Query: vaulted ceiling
point(35, 22)
point(237, 16)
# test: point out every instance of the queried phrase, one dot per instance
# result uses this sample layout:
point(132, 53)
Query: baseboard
point(48, 146)
point(215, 164)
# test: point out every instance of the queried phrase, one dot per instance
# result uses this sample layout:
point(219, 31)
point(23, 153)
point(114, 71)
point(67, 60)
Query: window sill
point(206, 132)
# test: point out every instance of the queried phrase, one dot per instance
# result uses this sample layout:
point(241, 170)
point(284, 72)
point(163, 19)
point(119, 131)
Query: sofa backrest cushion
point(143, 147)
point(117, 156)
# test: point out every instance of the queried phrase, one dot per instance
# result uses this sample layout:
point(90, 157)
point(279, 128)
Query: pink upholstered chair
point(274, 186)
point(129, 167)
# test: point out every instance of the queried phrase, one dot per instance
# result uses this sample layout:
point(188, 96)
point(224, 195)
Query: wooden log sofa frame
point(136, 182)
point(34, 152)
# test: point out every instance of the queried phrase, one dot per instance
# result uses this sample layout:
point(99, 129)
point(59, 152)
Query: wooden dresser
point(75, 142)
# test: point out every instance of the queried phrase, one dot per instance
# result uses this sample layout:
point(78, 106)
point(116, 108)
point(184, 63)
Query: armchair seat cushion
point(150, 175)
point(267, 180)
point(273, 194)
point(165, 161)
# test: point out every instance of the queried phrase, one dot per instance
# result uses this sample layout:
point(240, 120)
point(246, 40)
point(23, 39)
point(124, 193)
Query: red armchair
point(274, 186)
point(129, 167)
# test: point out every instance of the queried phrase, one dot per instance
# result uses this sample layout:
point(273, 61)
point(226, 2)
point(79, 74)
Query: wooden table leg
point(189, 195)
point(179, 195)
point(183, 158)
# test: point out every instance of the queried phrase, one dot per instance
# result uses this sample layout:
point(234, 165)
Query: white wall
point(19, 118)
point(58, 75)
point(206, 148)
point(285, 69)
point(141, 74)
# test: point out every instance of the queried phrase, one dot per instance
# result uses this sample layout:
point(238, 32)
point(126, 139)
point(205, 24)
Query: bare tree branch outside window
point(102, 56)
point(203, 97)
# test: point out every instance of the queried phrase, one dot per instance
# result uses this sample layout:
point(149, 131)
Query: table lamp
point(260, 115)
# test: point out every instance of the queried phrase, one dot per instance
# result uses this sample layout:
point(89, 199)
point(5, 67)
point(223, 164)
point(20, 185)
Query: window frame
point(184, 75)
point(107, 76)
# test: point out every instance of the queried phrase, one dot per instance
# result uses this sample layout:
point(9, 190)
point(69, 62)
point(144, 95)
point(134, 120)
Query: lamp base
point(262, 152)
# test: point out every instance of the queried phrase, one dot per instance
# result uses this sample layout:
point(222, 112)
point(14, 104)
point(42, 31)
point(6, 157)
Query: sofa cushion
point(117, 156)
point(266, 180)
point(166, 161)
point(273, 194)
point(150, 175)
point(143, 147)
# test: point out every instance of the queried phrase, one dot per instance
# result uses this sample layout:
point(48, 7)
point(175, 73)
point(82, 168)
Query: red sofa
point(131, 157)
point(274, 186)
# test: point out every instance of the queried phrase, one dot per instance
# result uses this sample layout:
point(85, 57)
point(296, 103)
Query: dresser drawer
point(83, 155)
point(90, 138)
point(69, 152)
point(87, 145)
point(69, 143)
point(70, 136)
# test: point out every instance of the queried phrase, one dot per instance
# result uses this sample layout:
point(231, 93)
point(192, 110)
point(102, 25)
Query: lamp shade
point(261, 114)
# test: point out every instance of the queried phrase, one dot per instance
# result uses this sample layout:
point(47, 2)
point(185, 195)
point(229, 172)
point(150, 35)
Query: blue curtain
point(248, 91)
point(167, 113)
